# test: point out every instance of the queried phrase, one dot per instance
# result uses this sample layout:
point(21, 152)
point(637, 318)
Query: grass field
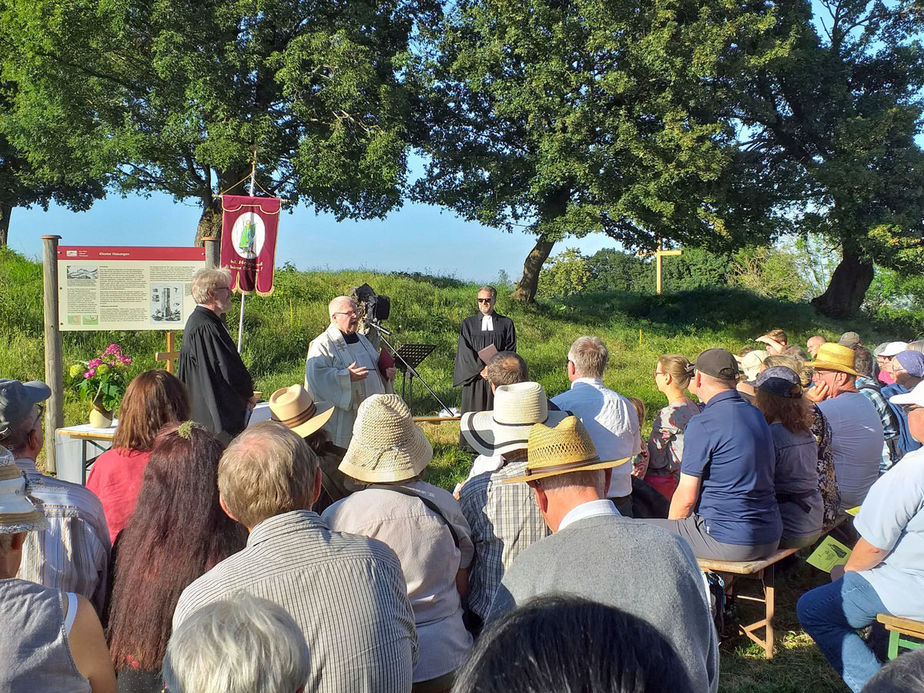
point(637, 329)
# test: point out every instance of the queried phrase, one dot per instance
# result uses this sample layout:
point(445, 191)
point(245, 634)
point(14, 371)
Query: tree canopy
point(176, 96)
point(837, 116)
point(568, 117)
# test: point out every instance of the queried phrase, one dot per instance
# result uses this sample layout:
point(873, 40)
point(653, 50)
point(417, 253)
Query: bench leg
point(893, 644)
point(770, 597)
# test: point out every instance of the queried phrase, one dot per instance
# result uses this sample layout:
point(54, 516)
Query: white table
point(76, 448)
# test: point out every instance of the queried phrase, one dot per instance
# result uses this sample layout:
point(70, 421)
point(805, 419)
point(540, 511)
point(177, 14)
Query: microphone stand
point(414, 374)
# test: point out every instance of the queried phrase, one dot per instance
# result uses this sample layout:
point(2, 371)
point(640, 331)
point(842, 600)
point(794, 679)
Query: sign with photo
point(126, 288)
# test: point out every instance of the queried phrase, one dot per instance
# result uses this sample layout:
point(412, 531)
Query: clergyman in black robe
point(477, 332)
point(220, 387)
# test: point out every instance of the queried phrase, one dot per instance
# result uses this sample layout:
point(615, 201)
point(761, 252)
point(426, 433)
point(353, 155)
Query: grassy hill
point(428, 309)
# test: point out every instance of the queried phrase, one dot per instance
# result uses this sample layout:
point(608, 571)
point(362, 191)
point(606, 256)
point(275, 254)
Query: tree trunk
point(529, 282)
point(847, 287)
point(5, 211)
point(210, 221)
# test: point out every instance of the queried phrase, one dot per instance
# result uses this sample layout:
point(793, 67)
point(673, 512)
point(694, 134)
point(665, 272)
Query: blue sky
point(417, 238)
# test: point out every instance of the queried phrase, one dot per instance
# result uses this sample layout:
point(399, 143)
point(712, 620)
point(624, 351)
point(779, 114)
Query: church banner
point(248, 241)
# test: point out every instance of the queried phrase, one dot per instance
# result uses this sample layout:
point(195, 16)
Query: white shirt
point(487, 323)
point(612, 423)
point(604, 506)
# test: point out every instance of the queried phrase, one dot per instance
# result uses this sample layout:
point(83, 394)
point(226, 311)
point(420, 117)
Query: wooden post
point(212, 252)
point(54, 368)
point(170, 355)
point(659, 252)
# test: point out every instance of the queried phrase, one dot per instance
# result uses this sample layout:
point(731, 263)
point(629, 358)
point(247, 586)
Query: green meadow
point(425, 309)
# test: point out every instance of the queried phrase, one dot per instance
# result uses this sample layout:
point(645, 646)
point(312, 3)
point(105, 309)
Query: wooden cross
point(170, 355)
point(659, 253)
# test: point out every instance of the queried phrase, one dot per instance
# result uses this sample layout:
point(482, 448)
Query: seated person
point(726, 472)
point(779, 397)
point(885, 572)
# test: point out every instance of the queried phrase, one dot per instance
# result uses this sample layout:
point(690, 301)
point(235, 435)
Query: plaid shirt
point(72, 555)
point(505, 520)
point(867, 387)
point(346, 593)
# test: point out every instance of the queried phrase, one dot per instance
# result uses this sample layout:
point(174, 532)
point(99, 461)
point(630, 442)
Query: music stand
point(408, 357)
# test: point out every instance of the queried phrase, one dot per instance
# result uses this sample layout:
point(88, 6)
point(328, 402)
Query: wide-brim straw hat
point(293, 407)
point(834, 357)
point(387, 446)
point(561, 449)
point(517, 408)
point(17, 511)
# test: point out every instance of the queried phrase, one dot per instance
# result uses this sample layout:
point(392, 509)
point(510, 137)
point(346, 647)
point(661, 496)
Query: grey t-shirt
point(856, 442)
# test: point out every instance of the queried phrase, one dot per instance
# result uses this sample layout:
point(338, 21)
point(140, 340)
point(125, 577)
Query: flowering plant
point(102, 380)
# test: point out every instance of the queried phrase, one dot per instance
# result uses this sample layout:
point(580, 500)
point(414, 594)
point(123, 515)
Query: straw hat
point(387, 445)
point(834, 357)
point(561, 449)
point(293, 407)
point(505, 429)
point(17, 512)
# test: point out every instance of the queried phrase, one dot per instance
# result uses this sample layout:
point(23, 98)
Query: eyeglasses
point(41, 413)
point(657, 373)
point(351, 313)
point(485, 300)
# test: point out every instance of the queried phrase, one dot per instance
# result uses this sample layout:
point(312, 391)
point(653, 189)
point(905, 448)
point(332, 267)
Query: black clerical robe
point(218, 382)
point(476, 392)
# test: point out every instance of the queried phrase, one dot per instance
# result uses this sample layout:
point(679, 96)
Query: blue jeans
point(831, 614)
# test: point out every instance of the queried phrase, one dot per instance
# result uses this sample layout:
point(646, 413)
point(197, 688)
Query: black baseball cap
point(719, 363)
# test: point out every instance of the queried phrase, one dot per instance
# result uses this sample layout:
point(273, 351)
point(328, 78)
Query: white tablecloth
point(69, 450)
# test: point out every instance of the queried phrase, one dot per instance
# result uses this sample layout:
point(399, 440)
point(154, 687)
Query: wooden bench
point(900, 627)
point(757, 570)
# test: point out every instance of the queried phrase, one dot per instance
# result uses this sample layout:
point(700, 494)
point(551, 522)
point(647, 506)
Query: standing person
point(609, 418)
point(795, 478)
point(72, 553)
point(487, 329)
point(597, 554)
point(856, 429)
point(884, 572)
point(345, 591)
point(177, 532)
point(672, 377)
point(422, 523)
point(724, 505)
point(343, 368)
point(219, 385)
point(49, 640)
point(152, 400)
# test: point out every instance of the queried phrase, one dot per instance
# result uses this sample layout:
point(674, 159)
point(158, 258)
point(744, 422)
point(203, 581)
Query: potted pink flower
point(101, 381)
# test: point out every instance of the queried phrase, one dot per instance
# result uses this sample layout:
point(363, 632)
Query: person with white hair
point(219, 384)
point(237, 646)
point(343, 368)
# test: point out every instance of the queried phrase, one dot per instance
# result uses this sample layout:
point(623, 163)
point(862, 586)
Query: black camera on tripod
point(373, 307)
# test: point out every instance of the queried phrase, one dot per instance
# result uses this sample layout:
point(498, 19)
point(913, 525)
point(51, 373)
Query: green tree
point(25, 185)
point(575, 116)
point(176, 96)
point(566, 274)
point(836, 118)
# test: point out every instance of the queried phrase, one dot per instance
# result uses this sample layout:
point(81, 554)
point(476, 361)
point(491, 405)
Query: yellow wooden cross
point(659, 253)
point(170, 355)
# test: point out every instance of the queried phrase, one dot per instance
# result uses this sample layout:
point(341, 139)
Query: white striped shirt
point(72, 555)
point(346, 593)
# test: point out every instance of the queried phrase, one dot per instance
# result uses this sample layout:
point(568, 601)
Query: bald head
point(813, 343)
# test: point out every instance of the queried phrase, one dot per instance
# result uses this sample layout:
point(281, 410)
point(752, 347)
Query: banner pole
point(253, 181)
point(54, 366)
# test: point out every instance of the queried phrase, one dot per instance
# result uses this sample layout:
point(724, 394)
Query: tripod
point(414, 352)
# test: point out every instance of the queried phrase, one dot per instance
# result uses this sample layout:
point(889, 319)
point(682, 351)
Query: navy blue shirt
point(730, 448)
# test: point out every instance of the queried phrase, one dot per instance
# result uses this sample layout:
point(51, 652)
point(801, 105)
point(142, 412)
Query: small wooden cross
point(170, 355)
point(659, 253)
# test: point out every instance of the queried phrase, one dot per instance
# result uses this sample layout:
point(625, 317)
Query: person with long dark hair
point(152, 400)
point(177, 532)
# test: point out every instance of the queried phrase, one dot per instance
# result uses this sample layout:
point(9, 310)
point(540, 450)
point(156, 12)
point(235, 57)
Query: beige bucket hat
point(17, 511)
point(506, 428)
point(561, 449)
point(387, 445)
point(293, 407)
